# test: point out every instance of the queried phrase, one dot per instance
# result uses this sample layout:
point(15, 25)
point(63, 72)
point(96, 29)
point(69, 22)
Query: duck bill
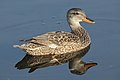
point(89, 65)
point(88, 20)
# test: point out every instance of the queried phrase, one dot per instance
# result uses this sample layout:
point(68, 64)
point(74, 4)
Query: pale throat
point(75, 25)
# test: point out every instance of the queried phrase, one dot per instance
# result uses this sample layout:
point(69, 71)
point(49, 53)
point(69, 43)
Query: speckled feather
point(66, 43)
point(57, 38)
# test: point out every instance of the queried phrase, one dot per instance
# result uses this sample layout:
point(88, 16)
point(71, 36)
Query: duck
point(58, 47)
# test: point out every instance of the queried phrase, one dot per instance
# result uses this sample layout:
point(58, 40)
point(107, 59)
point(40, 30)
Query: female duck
point(59, 47)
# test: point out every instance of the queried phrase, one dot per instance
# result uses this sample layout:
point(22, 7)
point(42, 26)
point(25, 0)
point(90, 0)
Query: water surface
point(22, 19)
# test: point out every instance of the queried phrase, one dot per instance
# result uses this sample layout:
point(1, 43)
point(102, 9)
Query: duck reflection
point(76, 65)
point(79, 67)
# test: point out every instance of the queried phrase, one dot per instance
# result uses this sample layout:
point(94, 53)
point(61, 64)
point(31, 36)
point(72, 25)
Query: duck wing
point(58, 38)
point(52, 43)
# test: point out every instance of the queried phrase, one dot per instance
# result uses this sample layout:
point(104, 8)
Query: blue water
point(22, 19)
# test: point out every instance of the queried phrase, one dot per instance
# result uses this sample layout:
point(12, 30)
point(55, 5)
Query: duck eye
point(75, 13)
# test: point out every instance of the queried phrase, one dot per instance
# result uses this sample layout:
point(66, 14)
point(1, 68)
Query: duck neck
point(78, 30)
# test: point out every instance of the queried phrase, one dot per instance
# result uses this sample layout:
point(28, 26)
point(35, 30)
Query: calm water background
point(22, 19)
